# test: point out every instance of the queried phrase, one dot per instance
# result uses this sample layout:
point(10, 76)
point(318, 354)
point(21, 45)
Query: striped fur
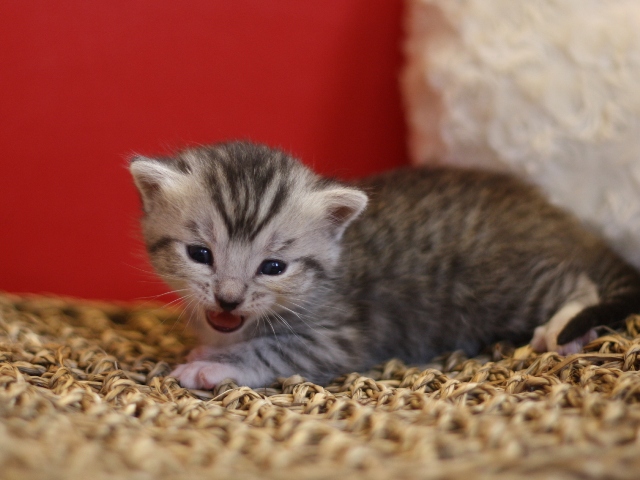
point(440, 259)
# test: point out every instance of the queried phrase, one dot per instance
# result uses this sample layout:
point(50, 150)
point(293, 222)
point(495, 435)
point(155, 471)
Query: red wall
point(84, 84)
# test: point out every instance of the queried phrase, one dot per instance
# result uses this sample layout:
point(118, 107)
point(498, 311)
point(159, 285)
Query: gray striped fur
point(440, 259)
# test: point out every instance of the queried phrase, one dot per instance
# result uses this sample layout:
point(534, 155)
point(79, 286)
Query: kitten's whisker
point(193, 298)
point(303, 340)
point(176, 300)
point(179, 299)
point(289, 310)
point(140, 269)
point(153, 297)
point(187, 308)
point(274, 333)
point(306, 309)
point(256, 327)
point(312, 327)
point(182, 312)
point(281, 318)
point(191, 312)
point(316, 304)
point(299, 306)
point(154, 275)
point(263, 320)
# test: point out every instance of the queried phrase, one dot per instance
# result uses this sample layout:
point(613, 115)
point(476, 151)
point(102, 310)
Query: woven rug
point(84, 394)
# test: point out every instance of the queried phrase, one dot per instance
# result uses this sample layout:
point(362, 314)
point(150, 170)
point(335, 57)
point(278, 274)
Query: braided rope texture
point(84, 393)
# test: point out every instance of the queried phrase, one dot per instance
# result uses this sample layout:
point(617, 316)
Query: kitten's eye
point(272, 267)
point(200, 254)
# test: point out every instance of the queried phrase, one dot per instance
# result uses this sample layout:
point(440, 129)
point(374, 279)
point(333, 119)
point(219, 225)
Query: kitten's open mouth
point(224, 322)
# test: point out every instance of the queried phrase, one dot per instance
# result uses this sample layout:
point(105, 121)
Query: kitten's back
point(468, 256)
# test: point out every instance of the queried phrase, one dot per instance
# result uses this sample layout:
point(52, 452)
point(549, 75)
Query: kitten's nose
point(227, 306)
point(230, 293)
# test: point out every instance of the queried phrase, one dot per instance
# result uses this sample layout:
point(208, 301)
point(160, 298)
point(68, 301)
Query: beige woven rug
point(83, 394)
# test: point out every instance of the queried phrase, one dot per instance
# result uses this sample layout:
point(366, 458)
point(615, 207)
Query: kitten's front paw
point(203, 375)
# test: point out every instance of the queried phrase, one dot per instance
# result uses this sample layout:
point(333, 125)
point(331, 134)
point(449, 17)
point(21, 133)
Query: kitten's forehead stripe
point(193, 227)
point(218, 201)
point(248, 187)
point(276, 205)
point(286, 245)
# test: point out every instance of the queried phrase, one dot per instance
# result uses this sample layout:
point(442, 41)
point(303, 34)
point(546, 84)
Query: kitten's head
point(241, 230)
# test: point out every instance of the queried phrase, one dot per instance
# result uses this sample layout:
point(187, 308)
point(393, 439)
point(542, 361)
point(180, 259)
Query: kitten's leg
point(260, 361)
point(545, 336)
point(201, 352)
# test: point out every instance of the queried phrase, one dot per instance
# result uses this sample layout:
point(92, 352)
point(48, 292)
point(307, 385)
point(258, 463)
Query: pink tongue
point(224, 322)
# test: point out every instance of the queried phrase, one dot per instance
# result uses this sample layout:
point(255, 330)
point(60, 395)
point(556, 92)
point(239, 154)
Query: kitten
point(289, 272)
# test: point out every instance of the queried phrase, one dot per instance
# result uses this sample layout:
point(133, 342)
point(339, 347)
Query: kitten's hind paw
point(545, 340)
point(576, 345)
point(204, 375)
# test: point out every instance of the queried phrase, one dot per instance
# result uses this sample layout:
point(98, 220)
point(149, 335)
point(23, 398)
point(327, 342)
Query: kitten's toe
point(202, 374)
point(545, 337)
point(576, 345)
point(545, 340)
point(207, 380)
point(185, 374)
point(539, 340)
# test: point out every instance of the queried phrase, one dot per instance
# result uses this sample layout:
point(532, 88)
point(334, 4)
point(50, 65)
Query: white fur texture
point(545, 336)
point(549, 90)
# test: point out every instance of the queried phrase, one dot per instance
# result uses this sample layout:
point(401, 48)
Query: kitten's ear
point(152, 177)
point(341, 206)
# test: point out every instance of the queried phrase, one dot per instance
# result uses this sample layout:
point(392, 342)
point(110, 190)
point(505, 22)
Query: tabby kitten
point(289, 272)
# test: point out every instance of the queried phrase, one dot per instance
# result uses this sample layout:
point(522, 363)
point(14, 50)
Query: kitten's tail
point(619, 299)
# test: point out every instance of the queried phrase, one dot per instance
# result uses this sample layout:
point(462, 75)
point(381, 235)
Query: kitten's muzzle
point(226, 321)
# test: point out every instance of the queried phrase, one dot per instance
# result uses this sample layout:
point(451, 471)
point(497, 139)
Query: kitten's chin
point(224, 322)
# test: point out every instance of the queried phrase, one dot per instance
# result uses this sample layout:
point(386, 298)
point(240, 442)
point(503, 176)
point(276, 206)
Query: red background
point(85, 84)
